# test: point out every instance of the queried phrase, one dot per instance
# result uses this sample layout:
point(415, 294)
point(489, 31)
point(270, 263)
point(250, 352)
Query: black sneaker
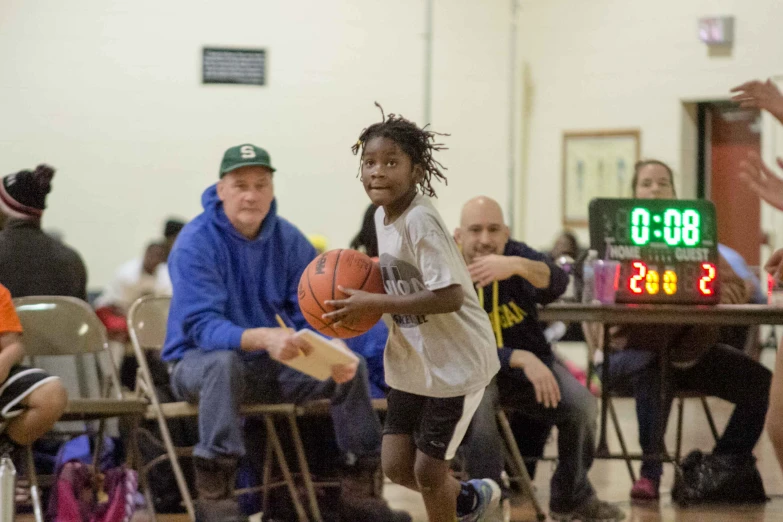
point(727, 479)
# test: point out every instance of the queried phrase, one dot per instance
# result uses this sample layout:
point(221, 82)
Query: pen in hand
point(287, 329)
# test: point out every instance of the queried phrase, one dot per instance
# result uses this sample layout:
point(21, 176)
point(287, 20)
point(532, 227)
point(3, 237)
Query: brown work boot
point(215, 479)
point(361, 496)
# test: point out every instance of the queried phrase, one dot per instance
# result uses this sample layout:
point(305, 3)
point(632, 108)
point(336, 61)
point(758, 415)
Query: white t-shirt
point(131, 282)
point(436, 355)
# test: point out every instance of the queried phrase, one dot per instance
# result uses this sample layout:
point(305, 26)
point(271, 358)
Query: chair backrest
point(67, 326)
point(58, 325)
point(147, 320)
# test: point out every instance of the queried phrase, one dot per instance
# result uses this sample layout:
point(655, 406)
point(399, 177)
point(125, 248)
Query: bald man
point(512, 279)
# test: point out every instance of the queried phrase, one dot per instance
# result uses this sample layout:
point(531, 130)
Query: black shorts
point(437, 425)
point(21, 382)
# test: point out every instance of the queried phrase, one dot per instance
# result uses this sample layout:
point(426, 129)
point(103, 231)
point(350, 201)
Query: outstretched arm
point(495, 267)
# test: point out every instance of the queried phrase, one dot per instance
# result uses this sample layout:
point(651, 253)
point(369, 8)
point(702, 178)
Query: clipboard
point(325, 354)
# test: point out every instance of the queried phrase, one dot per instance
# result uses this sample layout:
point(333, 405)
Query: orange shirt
point(9, 321)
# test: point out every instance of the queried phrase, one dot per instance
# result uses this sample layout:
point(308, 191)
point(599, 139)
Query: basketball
point(320, 282)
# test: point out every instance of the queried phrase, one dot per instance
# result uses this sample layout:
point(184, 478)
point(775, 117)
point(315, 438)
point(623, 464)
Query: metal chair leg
point(35, 490)
point(148, 499)
point(621, 439)
point(136, 463)
point(710, 419)
point(267, 474)
point(526, 482)
point(174, 460)
point(680, 415)
point(590, 374)
point(271, 432)
point(304, 468)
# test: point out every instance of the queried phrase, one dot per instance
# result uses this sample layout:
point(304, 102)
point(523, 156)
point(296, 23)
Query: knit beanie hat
point(23, 194)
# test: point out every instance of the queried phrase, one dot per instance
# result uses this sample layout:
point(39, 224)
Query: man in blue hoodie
point(512, 280)
point(233, 268)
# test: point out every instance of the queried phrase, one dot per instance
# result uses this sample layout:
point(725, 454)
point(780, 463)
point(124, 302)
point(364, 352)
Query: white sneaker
point(489, 508)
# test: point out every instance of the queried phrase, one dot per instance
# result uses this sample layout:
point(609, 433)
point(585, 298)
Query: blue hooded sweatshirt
point(225, 283)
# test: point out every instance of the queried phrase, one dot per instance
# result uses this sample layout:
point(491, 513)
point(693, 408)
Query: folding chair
point(593, 333)
point(66, 326)
point(515, 458)
point(321, 408)
point(147, 321)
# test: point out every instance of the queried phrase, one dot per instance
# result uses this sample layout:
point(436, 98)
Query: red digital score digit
point(707, 279)
point(638, 278)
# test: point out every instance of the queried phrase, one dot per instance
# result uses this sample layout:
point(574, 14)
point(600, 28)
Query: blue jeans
point(722, 372)
point(575, 418)
point(219, 381)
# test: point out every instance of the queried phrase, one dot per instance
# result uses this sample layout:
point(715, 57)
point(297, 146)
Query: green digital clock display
point(675, 227)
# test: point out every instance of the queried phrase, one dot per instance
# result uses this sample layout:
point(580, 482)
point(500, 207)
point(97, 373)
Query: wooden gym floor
point(611, 480)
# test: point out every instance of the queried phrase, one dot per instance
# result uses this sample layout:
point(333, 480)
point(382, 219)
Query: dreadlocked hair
point(417, 143)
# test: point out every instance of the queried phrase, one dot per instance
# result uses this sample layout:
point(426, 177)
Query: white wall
point(109, 93)
point(614, 64)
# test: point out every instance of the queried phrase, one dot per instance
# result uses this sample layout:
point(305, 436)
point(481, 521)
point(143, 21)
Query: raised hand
point(760, 95)
point(761, 180)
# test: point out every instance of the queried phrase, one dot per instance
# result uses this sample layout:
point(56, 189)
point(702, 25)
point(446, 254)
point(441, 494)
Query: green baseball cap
point(244, 156)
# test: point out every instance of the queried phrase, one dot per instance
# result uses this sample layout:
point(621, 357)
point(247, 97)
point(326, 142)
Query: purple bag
point(73, 496)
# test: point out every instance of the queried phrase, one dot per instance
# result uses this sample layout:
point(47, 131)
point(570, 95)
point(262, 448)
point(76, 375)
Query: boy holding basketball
point(440, 354)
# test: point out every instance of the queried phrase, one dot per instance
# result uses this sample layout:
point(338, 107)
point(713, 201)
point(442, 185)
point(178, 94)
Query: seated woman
point(699, 363)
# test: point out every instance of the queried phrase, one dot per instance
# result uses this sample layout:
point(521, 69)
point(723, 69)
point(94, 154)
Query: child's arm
point(11, 352)
point(424, 302)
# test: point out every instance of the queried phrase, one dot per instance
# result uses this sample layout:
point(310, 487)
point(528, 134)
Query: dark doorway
point(726, 135)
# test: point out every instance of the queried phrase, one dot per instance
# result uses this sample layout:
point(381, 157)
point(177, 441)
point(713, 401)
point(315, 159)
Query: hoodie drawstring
point(494, 316)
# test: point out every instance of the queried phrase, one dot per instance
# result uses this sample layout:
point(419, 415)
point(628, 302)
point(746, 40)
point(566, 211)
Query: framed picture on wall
point(596, 164)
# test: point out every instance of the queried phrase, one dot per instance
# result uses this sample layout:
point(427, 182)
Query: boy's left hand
point(350, 310)
point(493, 267)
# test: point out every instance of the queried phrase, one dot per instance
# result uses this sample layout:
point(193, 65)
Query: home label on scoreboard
point(668, 249)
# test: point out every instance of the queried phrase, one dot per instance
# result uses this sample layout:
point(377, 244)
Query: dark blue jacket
point(517, 307)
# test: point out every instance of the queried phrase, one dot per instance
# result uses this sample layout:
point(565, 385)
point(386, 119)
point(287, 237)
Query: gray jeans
point(575, 418)
point(219, 381)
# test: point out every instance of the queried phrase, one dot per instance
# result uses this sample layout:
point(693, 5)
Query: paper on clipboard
point(325, 354)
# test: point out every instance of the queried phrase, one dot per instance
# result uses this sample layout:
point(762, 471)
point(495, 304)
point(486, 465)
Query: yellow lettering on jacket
point(510, 315)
